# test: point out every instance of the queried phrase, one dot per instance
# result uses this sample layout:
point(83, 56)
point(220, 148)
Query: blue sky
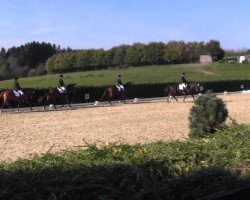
point(82, 24)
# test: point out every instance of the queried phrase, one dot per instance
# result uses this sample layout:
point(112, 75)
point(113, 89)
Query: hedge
point(149, 90)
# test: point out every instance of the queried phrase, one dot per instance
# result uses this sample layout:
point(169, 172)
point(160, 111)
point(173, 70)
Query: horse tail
point(104, 94)
point(1, 97)
point(1, 94)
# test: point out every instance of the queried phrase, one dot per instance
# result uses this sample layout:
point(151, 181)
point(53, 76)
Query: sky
point(84, 24)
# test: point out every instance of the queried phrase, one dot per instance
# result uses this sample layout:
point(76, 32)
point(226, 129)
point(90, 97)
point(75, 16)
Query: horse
point(112, 92)
point(8, 95)
point(53, 93)
point(173, 90)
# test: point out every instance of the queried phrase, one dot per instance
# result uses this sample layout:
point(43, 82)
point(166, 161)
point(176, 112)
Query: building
point(244, 59)
point(206, 59)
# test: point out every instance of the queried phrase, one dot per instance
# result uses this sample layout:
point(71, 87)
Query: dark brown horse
point(173, 90)
point(112, 93)
point(7, 95)
point(53, 93)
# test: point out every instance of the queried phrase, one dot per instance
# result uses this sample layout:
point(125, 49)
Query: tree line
point(26, 60)
point(138, 54)
point(37, 58)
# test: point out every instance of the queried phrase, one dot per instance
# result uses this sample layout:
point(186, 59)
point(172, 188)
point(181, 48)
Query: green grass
point(148, 74)
point(191, 169)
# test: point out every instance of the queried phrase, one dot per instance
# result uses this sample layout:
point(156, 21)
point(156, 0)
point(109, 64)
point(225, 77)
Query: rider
point(119, 83)
point(61, 87)
point(17, 87)
point(184, 82)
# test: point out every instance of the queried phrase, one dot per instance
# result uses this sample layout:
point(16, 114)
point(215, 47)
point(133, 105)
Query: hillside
point(146, 74)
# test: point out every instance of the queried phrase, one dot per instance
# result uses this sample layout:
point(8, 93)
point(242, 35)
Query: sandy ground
point(25, 134)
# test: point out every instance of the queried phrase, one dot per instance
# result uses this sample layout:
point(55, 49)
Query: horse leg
point(123, 97)
point(46, 101)
point(169, 96)
point(193, 97)
point(20, 103)
point(54, 103)
point(175, 98)
point(28, 102)
point(18, 106)
point(109, 100)
point(185, 97)
point(8, 105)
point(110, 97)
point(173, 95)
point(64, 102)
point(104, 94)
point(3, 104)
point(69, 102)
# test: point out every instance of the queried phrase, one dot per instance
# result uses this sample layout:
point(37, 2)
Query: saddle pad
point(60, 90)
point(17, 94)
point(181, 87)
point(118, 88)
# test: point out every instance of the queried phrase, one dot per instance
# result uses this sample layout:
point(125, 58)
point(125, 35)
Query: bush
point(207, 114)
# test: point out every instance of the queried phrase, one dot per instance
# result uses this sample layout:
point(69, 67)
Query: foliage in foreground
point(177, 170)
point(208, 113)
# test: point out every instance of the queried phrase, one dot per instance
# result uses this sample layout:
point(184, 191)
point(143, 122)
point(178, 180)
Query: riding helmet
point(61, 75)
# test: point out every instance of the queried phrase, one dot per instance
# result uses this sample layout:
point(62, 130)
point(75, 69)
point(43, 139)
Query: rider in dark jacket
point(119, 82)
point(184, 82)
point(62, 86)
point(183, 79)
point(17, 87)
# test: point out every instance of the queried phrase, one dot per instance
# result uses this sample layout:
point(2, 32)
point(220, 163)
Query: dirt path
point(25, 134)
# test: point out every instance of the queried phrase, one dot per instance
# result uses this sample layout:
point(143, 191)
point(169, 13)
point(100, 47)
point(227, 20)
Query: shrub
point(208, 113)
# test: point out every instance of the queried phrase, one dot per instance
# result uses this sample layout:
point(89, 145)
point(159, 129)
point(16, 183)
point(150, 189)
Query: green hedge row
point(151, 90)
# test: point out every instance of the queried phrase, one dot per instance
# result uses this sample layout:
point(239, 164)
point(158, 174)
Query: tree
point(136, 54)
point(5, 70)
point(155, 53)
point(207, 114)
point(173, 52)
point(119, 55)
point(32, 54)
point(61, 62)
point(214, 49)
point(3, 54)
point(98, 58)
point(83, 58)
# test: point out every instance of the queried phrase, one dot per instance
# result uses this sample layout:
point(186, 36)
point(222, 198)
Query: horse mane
point(28, 89)
point(71, 85)
point(194, 83)
point(128, 83)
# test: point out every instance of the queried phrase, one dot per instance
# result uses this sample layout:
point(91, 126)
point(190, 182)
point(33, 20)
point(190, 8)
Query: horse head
point(194, 87)
point(71, 86)
point(28, 93)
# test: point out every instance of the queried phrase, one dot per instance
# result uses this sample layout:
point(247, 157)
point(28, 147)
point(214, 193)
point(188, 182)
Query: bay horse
point(173, 90)
point(8, 95)
point(53, 93)
point(112, 93)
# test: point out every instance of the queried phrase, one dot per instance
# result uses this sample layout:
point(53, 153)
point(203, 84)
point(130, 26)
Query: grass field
point(148, 74)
